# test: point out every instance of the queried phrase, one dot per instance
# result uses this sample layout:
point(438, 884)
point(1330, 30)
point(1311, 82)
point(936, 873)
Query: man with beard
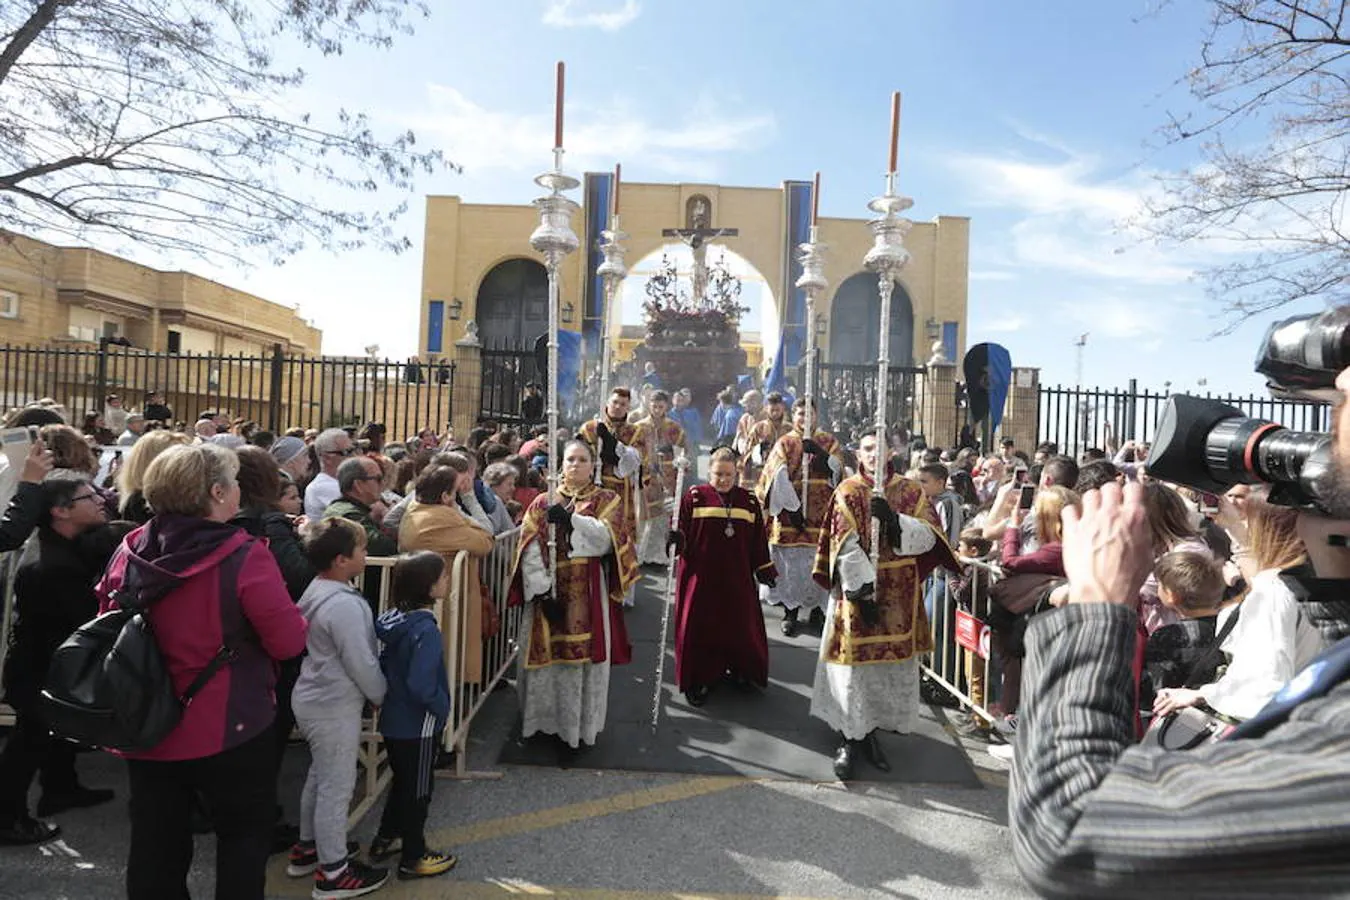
point(793, 533)
point(1262, 812)
point(760, 436)
point(619, 447)
point(867, 677)
point(663, 438)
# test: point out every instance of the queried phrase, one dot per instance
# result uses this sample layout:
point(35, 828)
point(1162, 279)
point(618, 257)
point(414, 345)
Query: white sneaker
point(1001, 751)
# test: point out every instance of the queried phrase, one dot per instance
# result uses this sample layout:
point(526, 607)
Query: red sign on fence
point(972, 634)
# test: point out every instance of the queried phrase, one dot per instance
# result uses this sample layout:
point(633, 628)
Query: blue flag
point(777, 378)
point(569, 366)
point(1000, 379)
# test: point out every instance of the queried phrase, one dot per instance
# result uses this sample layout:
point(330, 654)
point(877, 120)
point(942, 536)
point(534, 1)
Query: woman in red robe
point(723, 548)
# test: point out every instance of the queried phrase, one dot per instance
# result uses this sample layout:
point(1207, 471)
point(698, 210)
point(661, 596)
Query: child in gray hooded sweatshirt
point(340, 673)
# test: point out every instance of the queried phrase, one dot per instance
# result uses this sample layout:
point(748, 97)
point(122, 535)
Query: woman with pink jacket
point(214, 592)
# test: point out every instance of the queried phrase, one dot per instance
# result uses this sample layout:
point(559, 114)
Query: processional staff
point(886, 258)
point(612, 271)
point(555, 239)
point(811, 255)
point(668, 596)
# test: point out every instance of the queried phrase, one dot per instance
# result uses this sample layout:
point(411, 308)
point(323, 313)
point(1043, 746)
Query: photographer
point(1264, 812)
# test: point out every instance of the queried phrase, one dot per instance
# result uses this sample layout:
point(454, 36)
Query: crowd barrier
point(484, 637)
point(963, 661)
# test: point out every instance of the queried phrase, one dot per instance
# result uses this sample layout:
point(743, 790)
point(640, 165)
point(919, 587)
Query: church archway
point(512, 303)
point(855, 317)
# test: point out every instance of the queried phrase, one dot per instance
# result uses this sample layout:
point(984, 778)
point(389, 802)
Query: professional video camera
point(1211, 446)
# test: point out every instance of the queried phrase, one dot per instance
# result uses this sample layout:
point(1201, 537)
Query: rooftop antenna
point(1078, 366)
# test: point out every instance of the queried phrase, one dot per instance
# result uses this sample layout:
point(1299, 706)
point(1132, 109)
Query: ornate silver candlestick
point(555, 239)
point(886, 258)
point(613, 271)
point(811, 255)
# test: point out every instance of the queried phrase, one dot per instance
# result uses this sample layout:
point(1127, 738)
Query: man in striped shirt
point(1263, 813)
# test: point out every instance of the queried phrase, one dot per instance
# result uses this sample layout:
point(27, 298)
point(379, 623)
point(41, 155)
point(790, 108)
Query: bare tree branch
point(169, 123)
point(1273, 122)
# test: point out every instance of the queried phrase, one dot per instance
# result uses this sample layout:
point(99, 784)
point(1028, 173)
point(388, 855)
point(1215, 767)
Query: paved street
point(602, 834)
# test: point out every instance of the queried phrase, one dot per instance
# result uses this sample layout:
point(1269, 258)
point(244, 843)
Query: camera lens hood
point(1181, 453)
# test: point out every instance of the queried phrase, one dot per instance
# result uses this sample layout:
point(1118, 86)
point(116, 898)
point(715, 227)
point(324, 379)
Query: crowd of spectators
point(221, 520)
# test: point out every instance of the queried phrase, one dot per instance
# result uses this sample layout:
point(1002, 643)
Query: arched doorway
point(512, 307)
point(855, 318)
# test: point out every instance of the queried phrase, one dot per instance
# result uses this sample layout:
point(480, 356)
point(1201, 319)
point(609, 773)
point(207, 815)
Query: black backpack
point(108, 685)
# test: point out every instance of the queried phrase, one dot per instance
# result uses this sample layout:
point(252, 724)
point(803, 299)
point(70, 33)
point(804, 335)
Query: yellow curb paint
point(279, 885)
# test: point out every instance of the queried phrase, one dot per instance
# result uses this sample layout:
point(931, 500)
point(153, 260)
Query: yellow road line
point(506, 888)
point(510, 826)
point(501, 889)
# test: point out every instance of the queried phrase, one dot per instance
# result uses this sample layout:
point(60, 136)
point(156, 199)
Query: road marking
point(504, 888)
point(509, 826)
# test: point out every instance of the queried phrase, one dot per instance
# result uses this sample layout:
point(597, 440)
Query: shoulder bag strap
point(223, 656)
point(226, 654)
point(1214, 649)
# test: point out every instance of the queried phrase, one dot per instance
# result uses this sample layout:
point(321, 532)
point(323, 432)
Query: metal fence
point(277, 391)
point(507, 368)
point(963, 660)
point(1079, 418)
point(848, 396)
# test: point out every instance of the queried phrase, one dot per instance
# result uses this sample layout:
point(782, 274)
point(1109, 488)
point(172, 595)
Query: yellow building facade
point(74, 295)
point(480, 277)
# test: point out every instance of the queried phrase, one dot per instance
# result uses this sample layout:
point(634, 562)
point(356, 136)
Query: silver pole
point(668, 595)
point(613, 271)
point(886, 258)
point(812, 280)
point(555, 239)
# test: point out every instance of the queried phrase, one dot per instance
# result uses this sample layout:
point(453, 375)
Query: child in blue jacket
point(416, 707)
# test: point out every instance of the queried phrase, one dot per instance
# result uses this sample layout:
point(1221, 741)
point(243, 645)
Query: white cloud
point(1081, 245)
point(1118, 317)
point(1049, 189)
point(1005, 325)
point(1071, 217)
point(991, 275)
point(574, 14)
point(480, 139)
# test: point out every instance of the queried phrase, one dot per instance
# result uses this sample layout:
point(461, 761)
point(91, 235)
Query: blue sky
point(1035, 119)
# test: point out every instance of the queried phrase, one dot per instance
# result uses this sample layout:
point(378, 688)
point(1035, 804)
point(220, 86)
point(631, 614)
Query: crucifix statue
point(696, 234)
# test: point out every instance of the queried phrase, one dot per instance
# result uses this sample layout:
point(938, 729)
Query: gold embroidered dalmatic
point(788, 452)
point(578, 581)
point(903, 629)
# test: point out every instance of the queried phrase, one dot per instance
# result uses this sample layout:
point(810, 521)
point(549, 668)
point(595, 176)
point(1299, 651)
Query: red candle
point(618, 172)
point(895, 126)
point(815, 201)
point(558, 108)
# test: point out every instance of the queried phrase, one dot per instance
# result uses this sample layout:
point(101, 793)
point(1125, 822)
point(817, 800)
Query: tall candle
point(618, 173)
point(558, 109)
point(815, 201)
point(895, 126)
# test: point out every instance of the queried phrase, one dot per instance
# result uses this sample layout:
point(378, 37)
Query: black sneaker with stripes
point(356, 880)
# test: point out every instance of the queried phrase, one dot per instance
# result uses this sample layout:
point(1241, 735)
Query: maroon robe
point(719, 625)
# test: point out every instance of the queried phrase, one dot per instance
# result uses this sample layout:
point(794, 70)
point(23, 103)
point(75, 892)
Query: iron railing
point(277, 391)
point(848, 392)
point(1079, 418)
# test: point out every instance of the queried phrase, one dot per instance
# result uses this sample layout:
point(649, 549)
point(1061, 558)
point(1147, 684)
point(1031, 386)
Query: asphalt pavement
point(611, 834)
